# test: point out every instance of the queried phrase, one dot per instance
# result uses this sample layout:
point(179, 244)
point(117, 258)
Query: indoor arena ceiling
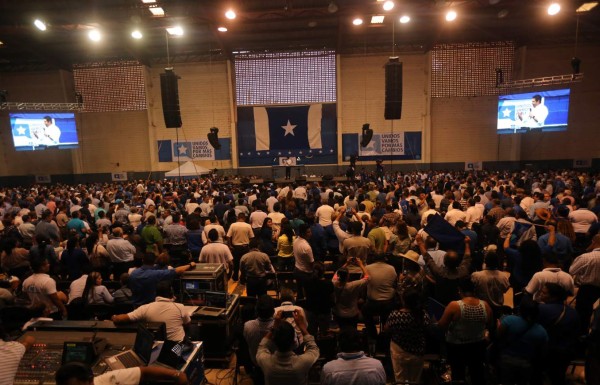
point(268, 25)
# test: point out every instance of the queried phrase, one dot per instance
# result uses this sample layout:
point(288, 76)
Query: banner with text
point(200, 149)
point(384, 144)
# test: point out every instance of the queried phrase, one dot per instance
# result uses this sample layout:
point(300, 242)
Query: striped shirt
point(586, 268)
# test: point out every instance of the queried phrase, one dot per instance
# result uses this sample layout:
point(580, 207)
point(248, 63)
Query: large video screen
point(542, 111)
point(32, 131)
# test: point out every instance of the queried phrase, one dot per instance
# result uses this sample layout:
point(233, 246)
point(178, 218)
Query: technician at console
point(164, 309)
point(77, 373)
point(11, 353)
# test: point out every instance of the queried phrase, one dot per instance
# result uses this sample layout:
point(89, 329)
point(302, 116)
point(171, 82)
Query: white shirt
point(324, 213)
point(582, 219)
point(455, 215)
point(76, 288)
point(257, 218)
point(39, 287)
point(173, 314)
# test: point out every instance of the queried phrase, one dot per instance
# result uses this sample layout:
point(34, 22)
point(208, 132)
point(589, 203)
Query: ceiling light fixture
point(157, 11)
point(136, 34)
point(553, 9)
point(230, 14)
point(175, 31)
point(377, 19)
point(148, 1)
point(586, 7)
point(39, 24)
point(357, 21)
point(222, 29)
point(404, 19)
point(451, 15)
point(95, 35)
point(388, 5)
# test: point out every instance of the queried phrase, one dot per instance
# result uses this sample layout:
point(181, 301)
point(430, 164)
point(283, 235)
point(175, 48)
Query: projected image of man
point(51, 131)
point(537, 115)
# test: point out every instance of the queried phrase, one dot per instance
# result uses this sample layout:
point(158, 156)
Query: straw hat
point(411, 256)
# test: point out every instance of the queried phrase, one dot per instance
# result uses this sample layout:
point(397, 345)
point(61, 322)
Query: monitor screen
point(541, 111)
point(144, 340)
point(194, 286)
point(215, 299)
point(78, 352)
point(33, 131)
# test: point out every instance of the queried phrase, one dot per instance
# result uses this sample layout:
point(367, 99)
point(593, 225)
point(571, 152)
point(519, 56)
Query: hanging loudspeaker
point(393, 89)
point(367, 135)
point(213, 138)
point(170, 98)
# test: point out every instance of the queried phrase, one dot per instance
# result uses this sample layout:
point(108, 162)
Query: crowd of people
point(398, 245)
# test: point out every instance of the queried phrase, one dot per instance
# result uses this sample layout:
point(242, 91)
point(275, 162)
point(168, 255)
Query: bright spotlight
point(451, 16)
point(357, 21)
point(95, 35)
point(405, 19)
point(553, 9)
point(175, 31)
point(136, 34)
point(388, 5)
point(222, 29)
point(39, 24)
point(230, 14)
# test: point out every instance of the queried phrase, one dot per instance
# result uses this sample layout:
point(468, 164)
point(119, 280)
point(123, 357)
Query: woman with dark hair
point(465, 322)
point(491, 283)
point(408, 326)
point(412, 217)
point(401, 239)
point(43, 248)
point(347, 294)
point(94, 291)
point(319, 301)
point(285, 248)
point(72, 260)
point(523, 263)
point(266, 236)
point(97, 255)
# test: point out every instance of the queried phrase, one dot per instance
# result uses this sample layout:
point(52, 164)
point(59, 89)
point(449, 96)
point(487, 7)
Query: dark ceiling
point(268, 25)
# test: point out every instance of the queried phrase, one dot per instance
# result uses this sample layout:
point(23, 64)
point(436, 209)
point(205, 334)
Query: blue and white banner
point(200, 149)
point(307, 132)
point(404, 145)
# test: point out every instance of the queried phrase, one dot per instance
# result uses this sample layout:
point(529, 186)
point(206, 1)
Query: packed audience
point(424, 260)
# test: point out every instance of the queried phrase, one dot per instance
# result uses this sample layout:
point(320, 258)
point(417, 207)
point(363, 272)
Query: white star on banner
point(289, 128)
point(506, 112)
point(21, 130)
point(182, 150)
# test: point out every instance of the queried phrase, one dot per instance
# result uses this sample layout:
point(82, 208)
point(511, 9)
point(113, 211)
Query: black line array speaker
point(170, 98)
point(393, 89)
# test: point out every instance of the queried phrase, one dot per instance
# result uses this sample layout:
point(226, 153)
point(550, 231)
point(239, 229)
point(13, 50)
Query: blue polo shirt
point(143, 281)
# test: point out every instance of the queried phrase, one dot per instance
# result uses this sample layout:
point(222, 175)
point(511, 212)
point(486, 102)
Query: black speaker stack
point(393, 89)
point(169, 91)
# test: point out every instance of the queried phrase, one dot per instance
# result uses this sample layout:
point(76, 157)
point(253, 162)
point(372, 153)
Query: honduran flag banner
point(307, 132)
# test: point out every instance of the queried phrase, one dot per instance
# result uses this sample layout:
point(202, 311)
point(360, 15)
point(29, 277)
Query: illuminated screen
point(33, 131)
point(542, 111)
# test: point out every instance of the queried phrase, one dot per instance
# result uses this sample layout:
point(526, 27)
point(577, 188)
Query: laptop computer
point(138, 356)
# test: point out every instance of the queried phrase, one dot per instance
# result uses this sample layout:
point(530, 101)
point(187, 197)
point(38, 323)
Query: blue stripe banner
point(307, 132)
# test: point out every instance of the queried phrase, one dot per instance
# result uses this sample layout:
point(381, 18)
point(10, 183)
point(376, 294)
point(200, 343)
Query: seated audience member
point(522, 342)
point(352, 365)
point(94, 291)
point(408, 327)
point(76, 287)
point(123, 294)
point(144, 279)
point(563, 327)
point(14, 259)
point(347, 294)
point(78, 373)
point(163, 309)
point(551, 273)
point(255, 330)
point(275, 355)
point(41, 289)
point(465, 322)
point(11, 353)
